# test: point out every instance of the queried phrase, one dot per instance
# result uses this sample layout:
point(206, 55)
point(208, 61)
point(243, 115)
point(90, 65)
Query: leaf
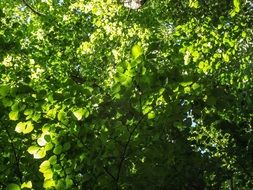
point(53, 159)
point(51, 113)
point(40, 154)
point(61, 115)
point(13, 115)
point(41, 141)
point(151, 115)
point(236, 5)
point(20, 127)
point(28, 128)
point(7, 102)
point(24, 127)
point(28, 112)
point(49, 146)
point(37, 152)
point(225, 57)
point(44, 166)
point(195, 86)
point(33, 149)
point(4, 90)
point(80, 113)
point(57, 150)
point(136, 51)
point(13, 186)
point(187, 83)
point(26, 185)
point(48, 183)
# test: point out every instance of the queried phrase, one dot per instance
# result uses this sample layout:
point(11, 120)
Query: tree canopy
point(94, 95)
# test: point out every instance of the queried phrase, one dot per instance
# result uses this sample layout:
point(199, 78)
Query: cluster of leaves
point(96, 96)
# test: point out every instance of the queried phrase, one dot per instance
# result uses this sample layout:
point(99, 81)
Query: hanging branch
point(32, 9)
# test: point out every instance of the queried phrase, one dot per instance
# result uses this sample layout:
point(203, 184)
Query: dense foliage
point(94, 95)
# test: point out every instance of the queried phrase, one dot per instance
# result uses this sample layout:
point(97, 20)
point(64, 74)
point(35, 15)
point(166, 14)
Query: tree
point(96, 96)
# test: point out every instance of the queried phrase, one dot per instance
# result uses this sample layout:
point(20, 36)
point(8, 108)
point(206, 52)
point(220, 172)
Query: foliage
point(96, 96)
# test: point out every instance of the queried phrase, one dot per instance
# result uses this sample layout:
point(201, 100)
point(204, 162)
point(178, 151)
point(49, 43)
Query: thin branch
point(110, 174)
point(125, 148)
point(32, 9)
point(19, 173)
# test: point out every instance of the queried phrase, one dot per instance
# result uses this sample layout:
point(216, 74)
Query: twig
point(19, 173)
point(110, 174)
point(32, 9)
point(125, 148)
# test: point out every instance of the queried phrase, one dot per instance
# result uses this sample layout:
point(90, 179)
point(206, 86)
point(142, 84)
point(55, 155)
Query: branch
point(32, 9)
point(109, 173)
point(19, 173)
point(126, 146)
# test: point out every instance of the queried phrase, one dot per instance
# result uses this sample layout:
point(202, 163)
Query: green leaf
point(7, 102)
point(136, 51)
point(80, 113)
point(195, 86)
point(225, 57)
point(13, 115)
point(44, 166)
point(13, 186)
point(53, 159)
point(57, 150)
point(28, 112)
point(151, 115)
point(4, 90)
point(51, 113)
point(61, 115)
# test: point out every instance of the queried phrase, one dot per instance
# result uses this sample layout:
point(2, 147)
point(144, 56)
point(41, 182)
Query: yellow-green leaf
point(40, 154)
point(28, 128)
point(48, 183)
point(13, 115)
point(33, 149)
point(80, 113)
point(61, 115)
point(20, 127)
point(26, 185)
point(151, 115)
point(136, 51)
point(225, 57)
point(44, 166)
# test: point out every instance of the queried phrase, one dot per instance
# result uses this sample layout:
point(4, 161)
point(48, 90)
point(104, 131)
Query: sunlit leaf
point(33, 149)
point(28, 128)
point(44, 166)
point(80, 113)
point(136, 51)
point(13, 115)
point(49, 183)
point(27, 184)
point(20, 127)
point(61, 115)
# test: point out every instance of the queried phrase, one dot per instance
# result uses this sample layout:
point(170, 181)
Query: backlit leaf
point(13, 115)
